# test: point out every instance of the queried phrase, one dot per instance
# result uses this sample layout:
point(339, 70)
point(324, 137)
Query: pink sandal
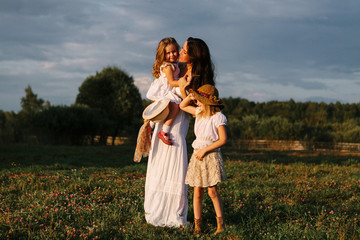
point(164, 137)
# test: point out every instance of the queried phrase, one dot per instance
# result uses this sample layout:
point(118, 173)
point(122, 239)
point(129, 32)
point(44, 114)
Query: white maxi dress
point(165, 190)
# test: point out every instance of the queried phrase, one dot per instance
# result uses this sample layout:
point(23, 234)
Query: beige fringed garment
point(143, 144)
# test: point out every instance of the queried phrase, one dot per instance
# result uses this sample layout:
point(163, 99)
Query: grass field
point(50, 192)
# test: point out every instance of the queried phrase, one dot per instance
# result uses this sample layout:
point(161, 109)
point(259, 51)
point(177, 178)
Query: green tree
point(275, 128)
point(3, 127)
point(31, 104)
point(249, 127)
point(113, 93)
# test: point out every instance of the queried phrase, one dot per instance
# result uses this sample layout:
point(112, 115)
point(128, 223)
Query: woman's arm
point(185, 105)
point(219, 143)
point(170, 76)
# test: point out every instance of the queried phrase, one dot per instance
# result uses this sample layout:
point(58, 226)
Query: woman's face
point(184, 56)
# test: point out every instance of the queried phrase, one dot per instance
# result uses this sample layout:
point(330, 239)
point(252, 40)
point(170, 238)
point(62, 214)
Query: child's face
point(171, 53)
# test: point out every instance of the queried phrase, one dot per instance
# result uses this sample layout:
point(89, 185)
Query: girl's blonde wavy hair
point(208, 111)
point(160, 54)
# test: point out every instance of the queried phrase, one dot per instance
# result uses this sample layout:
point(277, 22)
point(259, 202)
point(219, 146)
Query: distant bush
point(69, 125)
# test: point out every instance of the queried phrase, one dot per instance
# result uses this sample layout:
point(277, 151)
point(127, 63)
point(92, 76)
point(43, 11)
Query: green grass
point(50, 192)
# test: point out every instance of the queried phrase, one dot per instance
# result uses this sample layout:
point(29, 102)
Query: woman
point(195, 53)
point(165, 190)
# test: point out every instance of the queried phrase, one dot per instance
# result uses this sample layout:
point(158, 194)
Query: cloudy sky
point(262, 49)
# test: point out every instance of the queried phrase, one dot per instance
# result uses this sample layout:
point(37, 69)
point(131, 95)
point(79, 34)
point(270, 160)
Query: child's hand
point(200, 154)
point(191, 96)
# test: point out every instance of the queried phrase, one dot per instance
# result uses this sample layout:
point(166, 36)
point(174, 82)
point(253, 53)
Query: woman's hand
point(184, 81)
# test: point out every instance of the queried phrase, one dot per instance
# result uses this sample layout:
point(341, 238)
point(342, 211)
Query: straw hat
point(208, 94)
point(157, 111)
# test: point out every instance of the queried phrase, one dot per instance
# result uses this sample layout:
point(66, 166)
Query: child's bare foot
point(164, 137)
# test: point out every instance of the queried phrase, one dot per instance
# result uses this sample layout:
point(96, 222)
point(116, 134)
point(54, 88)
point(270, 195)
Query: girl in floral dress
point(206, 168)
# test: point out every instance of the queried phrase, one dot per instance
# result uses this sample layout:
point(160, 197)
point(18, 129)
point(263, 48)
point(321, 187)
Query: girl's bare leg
point(197, 201)
point(218, 209)
point(212, 191)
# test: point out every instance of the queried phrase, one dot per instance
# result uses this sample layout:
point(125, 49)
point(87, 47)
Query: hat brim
point(205, 100)
point(157, 111)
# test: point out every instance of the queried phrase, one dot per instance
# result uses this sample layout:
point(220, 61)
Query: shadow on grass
point(65, 157)
point(289, 157)
point(68, 157)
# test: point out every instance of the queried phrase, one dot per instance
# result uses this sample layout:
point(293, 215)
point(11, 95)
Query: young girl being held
point(166, 71)
point(206, 168)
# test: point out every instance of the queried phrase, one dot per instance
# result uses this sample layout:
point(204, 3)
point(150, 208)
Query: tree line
point(109, 104)
point(290, 120)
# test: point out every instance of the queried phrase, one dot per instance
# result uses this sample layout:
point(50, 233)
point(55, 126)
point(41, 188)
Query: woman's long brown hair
point(202, 66)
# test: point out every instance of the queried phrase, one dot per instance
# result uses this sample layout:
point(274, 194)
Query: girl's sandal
point(164, 137)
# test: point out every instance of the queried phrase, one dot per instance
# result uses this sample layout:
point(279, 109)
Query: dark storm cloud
point(305, 49)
